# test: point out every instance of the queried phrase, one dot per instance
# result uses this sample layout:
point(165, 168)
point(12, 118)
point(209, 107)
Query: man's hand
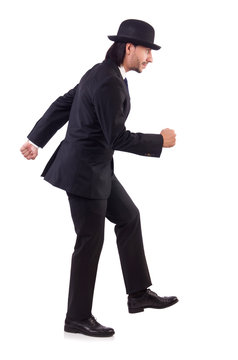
point(29, 151)
point(169, 137)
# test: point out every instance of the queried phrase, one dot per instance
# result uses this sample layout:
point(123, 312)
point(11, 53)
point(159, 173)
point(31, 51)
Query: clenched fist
point(169, 137)
point(29, 151)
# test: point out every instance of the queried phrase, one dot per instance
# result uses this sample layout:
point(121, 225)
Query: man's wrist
point(33, 143)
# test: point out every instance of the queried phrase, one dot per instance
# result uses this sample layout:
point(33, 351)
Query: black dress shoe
point(88, 327)
point(149, 300)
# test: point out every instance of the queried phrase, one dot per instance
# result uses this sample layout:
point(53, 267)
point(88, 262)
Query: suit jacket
point(97, 109)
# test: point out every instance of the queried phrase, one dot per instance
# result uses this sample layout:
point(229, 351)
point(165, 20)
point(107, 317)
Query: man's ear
point(129, 47)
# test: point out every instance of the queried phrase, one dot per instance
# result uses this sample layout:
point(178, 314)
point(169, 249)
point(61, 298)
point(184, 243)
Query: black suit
point(82, 165)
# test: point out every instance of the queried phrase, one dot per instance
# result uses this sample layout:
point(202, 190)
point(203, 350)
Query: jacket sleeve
point(109, 101)
point(53, 119)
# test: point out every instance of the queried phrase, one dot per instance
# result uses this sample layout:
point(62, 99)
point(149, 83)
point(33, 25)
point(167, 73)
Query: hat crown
point(136, 29)
point(137, 32)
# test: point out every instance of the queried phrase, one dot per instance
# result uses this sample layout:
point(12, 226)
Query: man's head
point(133, 44)
point(136, 57)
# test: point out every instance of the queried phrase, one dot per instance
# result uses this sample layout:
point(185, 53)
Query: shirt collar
point(123, 71)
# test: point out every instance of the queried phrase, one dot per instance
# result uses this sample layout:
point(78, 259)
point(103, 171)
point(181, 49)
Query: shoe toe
point(172, 299)
point(111, 331)
point(107, 331)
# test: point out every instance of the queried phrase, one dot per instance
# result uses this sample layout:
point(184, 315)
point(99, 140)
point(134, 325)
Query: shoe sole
point(73, 330)
point(137, 310)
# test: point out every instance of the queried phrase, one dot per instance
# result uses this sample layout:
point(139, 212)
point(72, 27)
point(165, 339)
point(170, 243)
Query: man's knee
point(129, 216)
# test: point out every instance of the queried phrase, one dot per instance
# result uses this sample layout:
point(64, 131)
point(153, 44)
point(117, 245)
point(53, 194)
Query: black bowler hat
point(137, 32)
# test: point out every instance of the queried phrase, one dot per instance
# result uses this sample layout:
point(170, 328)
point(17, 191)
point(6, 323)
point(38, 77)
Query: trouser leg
point(122, 211)
point(89, 218)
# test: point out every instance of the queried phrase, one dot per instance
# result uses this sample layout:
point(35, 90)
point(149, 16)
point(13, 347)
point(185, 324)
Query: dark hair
point(116, 53)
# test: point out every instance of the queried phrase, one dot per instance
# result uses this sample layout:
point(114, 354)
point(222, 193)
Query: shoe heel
point(134, 311)
point(70, 329)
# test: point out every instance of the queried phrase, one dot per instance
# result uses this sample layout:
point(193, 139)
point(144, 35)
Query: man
point(82, 165)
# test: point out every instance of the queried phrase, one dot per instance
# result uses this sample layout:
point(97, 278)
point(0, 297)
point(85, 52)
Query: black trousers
point(89, 217)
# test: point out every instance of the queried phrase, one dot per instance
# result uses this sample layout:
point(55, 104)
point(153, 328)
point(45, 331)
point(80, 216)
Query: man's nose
point(149, 58)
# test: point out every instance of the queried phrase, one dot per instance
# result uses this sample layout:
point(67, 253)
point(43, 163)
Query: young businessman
point(82, 165)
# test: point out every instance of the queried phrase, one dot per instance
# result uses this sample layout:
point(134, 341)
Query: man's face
point(139, 57)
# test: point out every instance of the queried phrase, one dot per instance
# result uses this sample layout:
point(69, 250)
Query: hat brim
point(128, 39)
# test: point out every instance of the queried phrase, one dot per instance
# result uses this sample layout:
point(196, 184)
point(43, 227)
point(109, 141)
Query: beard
point(136, 66)
point(137, 69)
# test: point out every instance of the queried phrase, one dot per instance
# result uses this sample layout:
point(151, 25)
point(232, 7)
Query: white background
point(187, 198)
